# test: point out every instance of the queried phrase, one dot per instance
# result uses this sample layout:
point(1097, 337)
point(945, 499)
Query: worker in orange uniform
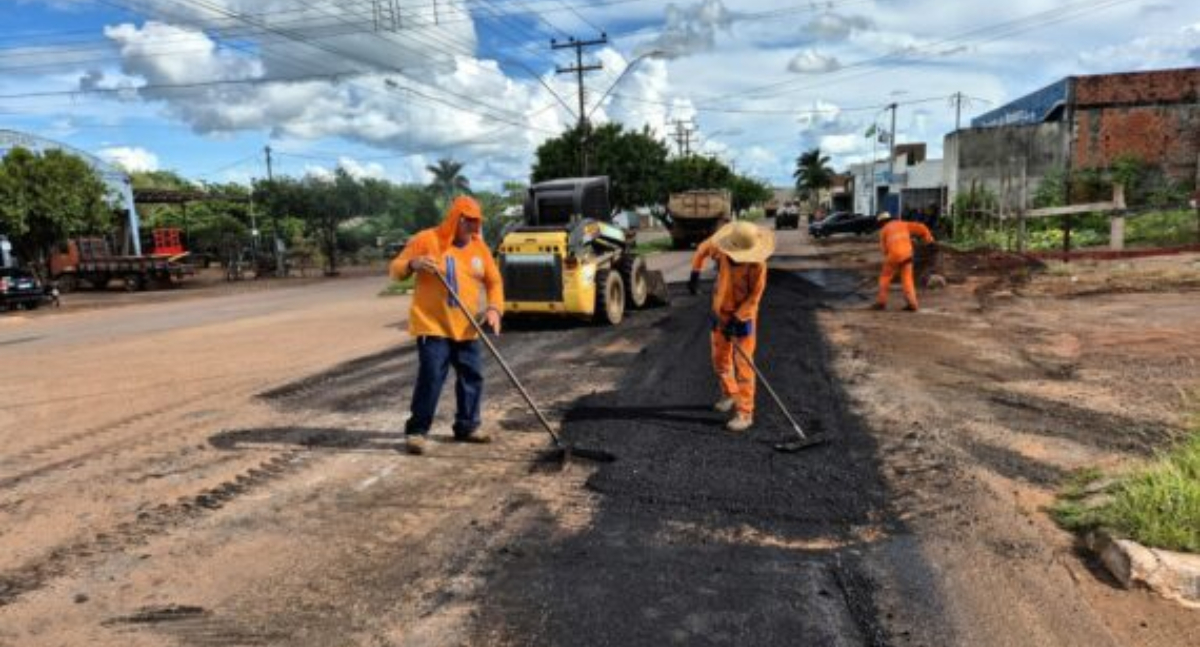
point(445, 337)
point(741, 250)
point(895, 240)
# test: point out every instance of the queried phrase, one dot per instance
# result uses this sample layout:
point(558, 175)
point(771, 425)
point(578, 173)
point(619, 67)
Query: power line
point(1001, 30)
point(580, 16)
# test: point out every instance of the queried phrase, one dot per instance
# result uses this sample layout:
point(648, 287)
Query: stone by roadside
point(1174, 576)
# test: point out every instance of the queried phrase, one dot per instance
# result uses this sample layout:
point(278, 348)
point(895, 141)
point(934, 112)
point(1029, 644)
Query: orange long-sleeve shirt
point(739, 289)
point(470, 269)
point(895, 239)
point(704, 251)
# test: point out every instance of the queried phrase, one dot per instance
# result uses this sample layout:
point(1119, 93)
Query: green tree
point(748, 191)
point(632, 160)
point(46, 198)
point(813, 174)
point(326, 205)
point(696, 172)
point(448, 180)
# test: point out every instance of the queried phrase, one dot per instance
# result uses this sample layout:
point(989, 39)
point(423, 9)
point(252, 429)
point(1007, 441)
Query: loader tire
point(633, 271)
point(610, 297)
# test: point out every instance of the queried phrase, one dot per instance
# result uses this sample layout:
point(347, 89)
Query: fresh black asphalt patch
point(705, 538)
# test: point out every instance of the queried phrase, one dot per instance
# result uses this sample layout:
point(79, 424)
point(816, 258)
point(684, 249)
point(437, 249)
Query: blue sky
point(201, 86)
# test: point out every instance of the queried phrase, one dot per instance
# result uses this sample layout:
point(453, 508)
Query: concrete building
point(1080, 122)
point(910, 183)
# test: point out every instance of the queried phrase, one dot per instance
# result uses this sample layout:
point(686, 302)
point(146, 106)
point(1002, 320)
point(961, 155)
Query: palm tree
point(447, 179)
point(813, 174)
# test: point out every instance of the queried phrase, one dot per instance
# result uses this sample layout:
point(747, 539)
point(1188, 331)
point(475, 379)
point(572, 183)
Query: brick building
point(1080, 122)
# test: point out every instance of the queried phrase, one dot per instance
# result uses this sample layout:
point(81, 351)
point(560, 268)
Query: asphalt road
point(224, 470)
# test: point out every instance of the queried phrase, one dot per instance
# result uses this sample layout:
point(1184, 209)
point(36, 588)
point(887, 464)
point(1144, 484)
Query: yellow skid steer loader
point(567, 258)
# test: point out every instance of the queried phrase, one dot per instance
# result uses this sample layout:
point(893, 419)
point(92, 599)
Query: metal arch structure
point(116, 179)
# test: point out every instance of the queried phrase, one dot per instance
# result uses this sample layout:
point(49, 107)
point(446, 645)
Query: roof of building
point(1125, 88)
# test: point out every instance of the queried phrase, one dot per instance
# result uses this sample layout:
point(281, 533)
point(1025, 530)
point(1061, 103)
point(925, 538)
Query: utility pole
point(958, 99)
point(891, 165)
point(276, 246)
point(683, 136)
point(578, 69)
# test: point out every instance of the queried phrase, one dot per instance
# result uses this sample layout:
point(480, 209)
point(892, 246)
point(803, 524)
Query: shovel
point(805, 441)
point(560, 452)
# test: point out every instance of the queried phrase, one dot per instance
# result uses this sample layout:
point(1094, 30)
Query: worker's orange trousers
point(735, 373)
point(906, 279)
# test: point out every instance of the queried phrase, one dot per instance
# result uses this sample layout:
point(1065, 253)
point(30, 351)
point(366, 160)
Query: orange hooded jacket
point(467, 268)
point(895, 240)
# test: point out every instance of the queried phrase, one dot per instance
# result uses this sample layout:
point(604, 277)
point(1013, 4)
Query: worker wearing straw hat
point(741, 250)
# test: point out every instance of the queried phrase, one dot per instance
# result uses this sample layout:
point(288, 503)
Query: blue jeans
point(435, 357)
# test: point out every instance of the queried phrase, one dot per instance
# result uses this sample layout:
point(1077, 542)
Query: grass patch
point(653, 247)
point(398, 288)
point(1157, 505)
point(1162, 229)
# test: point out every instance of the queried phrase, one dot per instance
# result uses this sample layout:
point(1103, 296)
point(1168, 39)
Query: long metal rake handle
point(774, 395)
point(500, 359)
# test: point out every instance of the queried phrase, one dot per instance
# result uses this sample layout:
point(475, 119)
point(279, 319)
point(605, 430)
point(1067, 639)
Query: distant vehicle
point(771, 209)
point(788, 217)
point(695, 215)
point(843, 222)
point(20, 289)
point(92, 261)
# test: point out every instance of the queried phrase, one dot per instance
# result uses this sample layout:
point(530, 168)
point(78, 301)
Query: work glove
point(694, 283)
point(737, 329)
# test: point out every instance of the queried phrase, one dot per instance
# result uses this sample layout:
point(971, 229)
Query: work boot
point(910, 308)
point(414, 444)
point(740, 423)
point(724, 405)
point(477, 437)
point(879, 306)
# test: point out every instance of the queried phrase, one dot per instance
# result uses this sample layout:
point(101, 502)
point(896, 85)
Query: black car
point(20, 289)
point(843, 222)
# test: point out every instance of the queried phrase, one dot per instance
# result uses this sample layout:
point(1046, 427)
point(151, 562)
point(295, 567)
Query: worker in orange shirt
point(445, 337)
point(741, 250)
point(895, 241)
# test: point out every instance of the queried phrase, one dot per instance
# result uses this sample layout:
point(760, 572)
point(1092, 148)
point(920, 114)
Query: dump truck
point(695, 215)
point(567, 258)
point(92, 261)
point(771, 209)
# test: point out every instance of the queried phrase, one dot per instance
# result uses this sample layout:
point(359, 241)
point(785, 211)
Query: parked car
point(20, 289)
point(843, 223)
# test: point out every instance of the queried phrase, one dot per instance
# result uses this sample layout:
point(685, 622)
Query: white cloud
point(809, 61)
point(360, 171)
point(832, 26)
point(690, 29)
point(1146, 53)
point(130, 158)
point(853, 143)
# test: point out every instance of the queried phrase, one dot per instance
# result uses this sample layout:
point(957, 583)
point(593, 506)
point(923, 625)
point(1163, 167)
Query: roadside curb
point(1174, 576)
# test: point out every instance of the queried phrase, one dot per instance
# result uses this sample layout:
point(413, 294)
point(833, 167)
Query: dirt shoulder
point(1010, 378)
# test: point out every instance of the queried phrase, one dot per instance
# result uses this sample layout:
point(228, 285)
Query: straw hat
point(744, 242)
point(883, 216)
